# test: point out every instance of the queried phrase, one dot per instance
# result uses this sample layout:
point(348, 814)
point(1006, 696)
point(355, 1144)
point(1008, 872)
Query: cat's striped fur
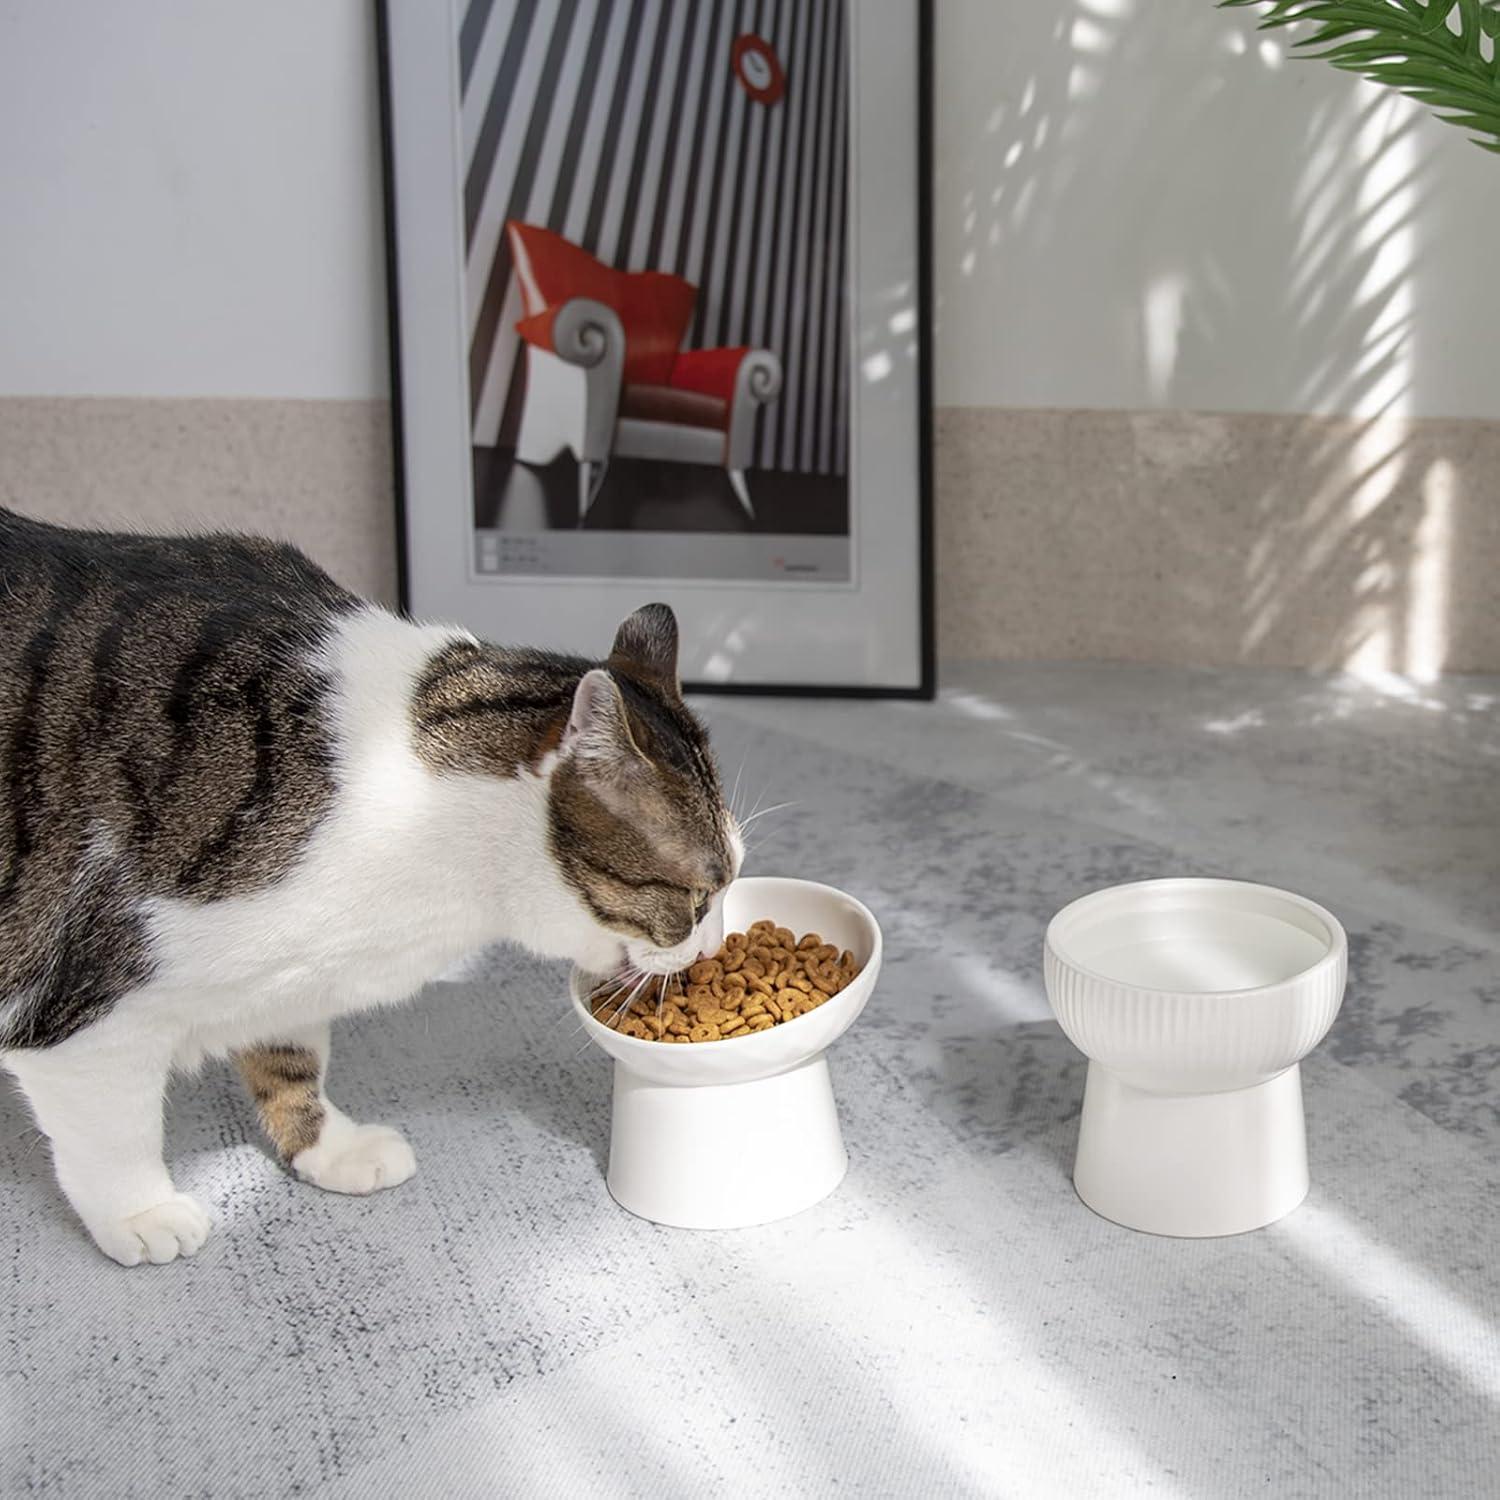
point(236, 801)
point(161, 733)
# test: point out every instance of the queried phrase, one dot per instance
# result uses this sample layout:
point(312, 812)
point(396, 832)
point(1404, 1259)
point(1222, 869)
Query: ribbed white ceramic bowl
point(1194, 1038)
point(1194, 1001)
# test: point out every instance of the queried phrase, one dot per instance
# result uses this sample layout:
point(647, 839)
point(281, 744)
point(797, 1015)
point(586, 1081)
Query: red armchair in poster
point(605, 375)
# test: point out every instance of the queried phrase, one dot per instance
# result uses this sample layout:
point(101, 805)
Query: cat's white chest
point(361, 923)
point(407, 874)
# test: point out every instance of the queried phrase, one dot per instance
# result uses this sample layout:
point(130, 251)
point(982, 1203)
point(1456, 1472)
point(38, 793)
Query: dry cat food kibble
point(758, 979)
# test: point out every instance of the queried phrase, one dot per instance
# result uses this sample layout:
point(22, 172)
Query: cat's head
point(639, 826)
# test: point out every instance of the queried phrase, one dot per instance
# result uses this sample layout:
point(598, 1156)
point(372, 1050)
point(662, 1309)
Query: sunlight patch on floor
point(1465, 1341)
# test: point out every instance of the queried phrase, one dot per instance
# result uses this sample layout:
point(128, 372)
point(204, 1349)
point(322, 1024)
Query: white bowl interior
point(804, 906)
point(1193, 936)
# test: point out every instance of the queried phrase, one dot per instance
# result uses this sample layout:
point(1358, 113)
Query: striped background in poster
point(620, 124)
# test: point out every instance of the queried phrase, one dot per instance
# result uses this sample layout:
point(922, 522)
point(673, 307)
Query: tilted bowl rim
point(1336, 955)
point(853, 996)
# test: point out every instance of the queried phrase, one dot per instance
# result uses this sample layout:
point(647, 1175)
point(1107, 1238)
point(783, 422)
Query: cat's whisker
point(759, 810)
point(736, 811)
point(617, 980)
point(608, 985)
point(766, 812)
point(620, 1009)
point(642, 979)
point(616, 1013)
point(629, 1000)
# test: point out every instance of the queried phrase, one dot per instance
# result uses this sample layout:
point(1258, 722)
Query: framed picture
point(660, 309)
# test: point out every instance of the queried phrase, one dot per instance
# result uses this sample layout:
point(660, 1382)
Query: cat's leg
point(320, 1143)
point(99, 1101)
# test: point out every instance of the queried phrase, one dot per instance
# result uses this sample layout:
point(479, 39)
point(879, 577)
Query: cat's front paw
point(157, 1235)
point(357, 1159)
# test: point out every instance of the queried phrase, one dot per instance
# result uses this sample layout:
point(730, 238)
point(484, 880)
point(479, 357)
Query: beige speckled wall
point(315, 472)
point(1146, 536)
point(1323, 542)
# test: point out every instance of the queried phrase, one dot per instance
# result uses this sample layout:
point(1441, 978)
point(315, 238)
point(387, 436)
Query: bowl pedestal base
point(725, 1156)
point(1191, 1165)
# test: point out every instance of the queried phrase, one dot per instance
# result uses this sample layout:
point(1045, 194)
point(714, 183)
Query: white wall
point(190, 193)
point(1145, 203)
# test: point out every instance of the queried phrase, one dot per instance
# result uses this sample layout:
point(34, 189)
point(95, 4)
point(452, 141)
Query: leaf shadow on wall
point(1350, 527)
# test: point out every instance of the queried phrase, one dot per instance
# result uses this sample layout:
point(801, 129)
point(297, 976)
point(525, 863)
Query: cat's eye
point(700, 909)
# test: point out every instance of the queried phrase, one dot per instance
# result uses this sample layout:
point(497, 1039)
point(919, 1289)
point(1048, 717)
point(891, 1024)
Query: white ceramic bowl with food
point(1194, 1001)
point(724, 1134)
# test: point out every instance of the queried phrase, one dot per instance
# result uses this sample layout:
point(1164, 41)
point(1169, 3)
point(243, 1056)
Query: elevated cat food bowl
point(721, 1135)
point(1194, 1001)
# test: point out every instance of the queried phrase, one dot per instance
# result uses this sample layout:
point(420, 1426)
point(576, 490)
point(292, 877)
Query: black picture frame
point(926, 686)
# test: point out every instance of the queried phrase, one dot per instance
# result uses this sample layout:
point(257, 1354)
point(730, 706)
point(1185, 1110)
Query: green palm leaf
point(1408, 45)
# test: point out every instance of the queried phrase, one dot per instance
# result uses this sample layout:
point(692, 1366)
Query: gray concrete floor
point(951, 1321)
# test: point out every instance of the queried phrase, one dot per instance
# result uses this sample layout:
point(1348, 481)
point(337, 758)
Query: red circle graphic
point(758, 69)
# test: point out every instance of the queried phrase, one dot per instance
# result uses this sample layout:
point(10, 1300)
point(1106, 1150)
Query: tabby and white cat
point(239, 802)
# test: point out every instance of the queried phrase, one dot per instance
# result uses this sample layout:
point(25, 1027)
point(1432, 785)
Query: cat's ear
point(598, 734)
point(646, 646)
